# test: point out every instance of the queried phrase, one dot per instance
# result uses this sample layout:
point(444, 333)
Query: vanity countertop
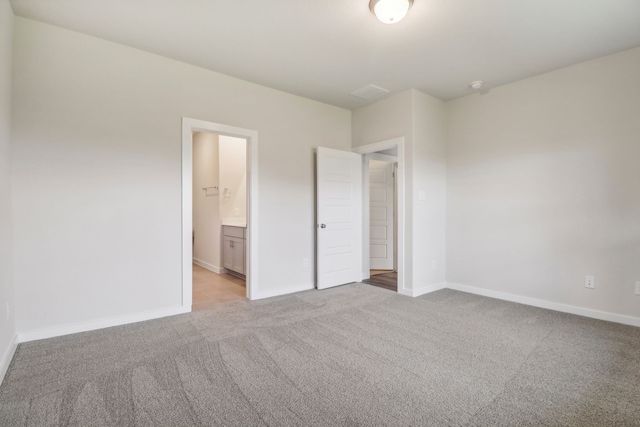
point(234, 224)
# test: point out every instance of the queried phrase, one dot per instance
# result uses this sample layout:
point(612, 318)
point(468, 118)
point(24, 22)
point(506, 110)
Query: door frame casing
point(400, 179)
point(251, 136)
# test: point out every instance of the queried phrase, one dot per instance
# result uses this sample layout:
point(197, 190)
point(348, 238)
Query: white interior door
point(381, 207)
point(339, 215)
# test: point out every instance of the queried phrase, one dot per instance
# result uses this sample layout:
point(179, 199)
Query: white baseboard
point(7, 357)
point(405, 292)
point(278, 292)
point(421, 290)
point(210, 267)
point(565, 308)
point(74, 328)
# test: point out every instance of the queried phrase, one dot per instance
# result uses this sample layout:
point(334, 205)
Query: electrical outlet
point(305, 262)
point(434, 264)
point(637, 288)
point(590, 282)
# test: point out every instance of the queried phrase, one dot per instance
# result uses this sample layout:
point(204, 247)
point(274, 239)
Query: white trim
point(216, 269)
point(381, 146)
point(74, 328)
point(421, 290)
point(188, 127)
point(565, 308)
point(373, 148)
point(7, 357)
point(383, 157)
point(366, 219)
point(285, 291)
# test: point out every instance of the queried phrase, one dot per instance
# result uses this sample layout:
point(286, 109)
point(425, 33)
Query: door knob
point(323, 226)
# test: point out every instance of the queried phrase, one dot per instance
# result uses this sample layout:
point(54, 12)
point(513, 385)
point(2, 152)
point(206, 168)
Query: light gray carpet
point(349, 356)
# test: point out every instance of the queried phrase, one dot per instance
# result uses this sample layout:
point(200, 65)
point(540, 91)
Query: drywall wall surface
point(543, 189)
point(387, 119)
point(429, 190)
point(206, 201)
point(6, 264)
point(421, 119)
point(233, 180)
point(97, 174)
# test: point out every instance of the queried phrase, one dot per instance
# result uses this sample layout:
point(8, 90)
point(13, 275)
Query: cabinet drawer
point(230, 231)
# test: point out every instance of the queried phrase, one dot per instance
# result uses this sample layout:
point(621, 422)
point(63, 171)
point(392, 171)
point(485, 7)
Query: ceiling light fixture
point(476, 85)
point(390, 11)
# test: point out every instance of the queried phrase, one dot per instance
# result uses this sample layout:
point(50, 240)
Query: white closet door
point(381, 215)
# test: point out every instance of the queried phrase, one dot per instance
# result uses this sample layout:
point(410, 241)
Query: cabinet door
point(227, 253)
point(238, 255)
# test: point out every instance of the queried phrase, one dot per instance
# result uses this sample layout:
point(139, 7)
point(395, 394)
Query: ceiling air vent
point(369, 92)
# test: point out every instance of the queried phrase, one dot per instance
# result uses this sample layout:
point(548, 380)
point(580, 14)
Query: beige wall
point(420, 119)
point(233, 175)
point(429, 178)
point(6, 264)
point(543, 186)
point(97, 174)
point(387, 119)
point(540, 189)
point(206, 204)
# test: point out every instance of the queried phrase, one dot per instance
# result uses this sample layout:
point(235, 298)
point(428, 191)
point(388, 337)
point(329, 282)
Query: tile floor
point(210, 288)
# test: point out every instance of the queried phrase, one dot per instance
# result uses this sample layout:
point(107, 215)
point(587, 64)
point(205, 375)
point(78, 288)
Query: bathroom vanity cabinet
point(233, 250)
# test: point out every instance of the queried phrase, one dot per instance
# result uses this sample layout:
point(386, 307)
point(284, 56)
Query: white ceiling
point(325, 49)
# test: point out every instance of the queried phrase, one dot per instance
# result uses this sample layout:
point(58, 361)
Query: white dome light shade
point(390, 11)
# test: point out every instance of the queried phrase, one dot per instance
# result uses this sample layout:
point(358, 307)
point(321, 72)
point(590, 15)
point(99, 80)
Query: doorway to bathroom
point(219, 216)
point(219, 200)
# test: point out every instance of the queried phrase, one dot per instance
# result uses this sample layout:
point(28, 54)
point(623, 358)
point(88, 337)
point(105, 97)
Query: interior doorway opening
point(383, 265)
point(392, 152)
point(219, 218)
point(229, 202)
